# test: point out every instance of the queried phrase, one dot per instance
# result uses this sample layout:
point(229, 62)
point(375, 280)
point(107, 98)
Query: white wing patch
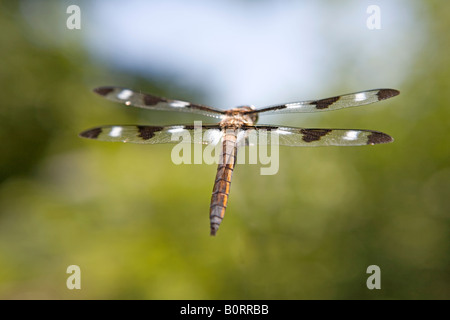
point(177, 129)
point(360, 96)
point(281, 131)
point(351, 135)
point(179, 104)
point(115, 132)
point(124, 94)
point(292, 105)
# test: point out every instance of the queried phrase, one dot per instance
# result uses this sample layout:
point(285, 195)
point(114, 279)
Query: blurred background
point(138, 225)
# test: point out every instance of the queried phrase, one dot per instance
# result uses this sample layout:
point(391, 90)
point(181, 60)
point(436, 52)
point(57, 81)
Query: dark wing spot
point(325, 103)
point(387, 93)
point(150, 100)
point(310, 135)
point(91, 134)
point(103, 91)
point(379, 137)
point(147, 132)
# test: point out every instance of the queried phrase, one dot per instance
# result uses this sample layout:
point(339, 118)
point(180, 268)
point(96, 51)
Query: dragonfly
point(234, 127)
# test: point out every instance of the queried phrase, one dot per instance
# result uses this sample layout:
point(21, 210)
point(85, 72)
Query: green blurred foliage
point(138, 226)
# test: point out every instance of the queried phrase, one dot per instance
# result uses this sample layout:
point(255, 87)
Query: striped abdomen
point(222, 183)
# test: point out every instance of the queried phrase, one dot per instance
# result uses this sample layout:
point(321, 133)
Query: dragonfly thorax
point(238, 117)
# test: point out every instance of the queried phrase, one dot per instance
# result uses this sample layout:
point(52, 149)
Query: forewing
point(333, 103)
point(147, 101)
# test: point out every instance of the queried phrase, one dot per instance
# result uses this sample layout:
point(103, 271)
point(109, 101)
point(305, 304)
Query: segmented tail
point(219, 198)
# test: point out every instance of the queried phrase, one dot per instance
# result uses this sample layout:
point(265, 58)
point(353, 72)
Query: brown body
point(234, 120)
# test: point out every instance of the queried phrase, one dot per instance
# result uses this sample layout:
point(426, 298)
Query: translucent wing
point(300, 137)
point(205, 134)
point(147, 101)
point(333, 103)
